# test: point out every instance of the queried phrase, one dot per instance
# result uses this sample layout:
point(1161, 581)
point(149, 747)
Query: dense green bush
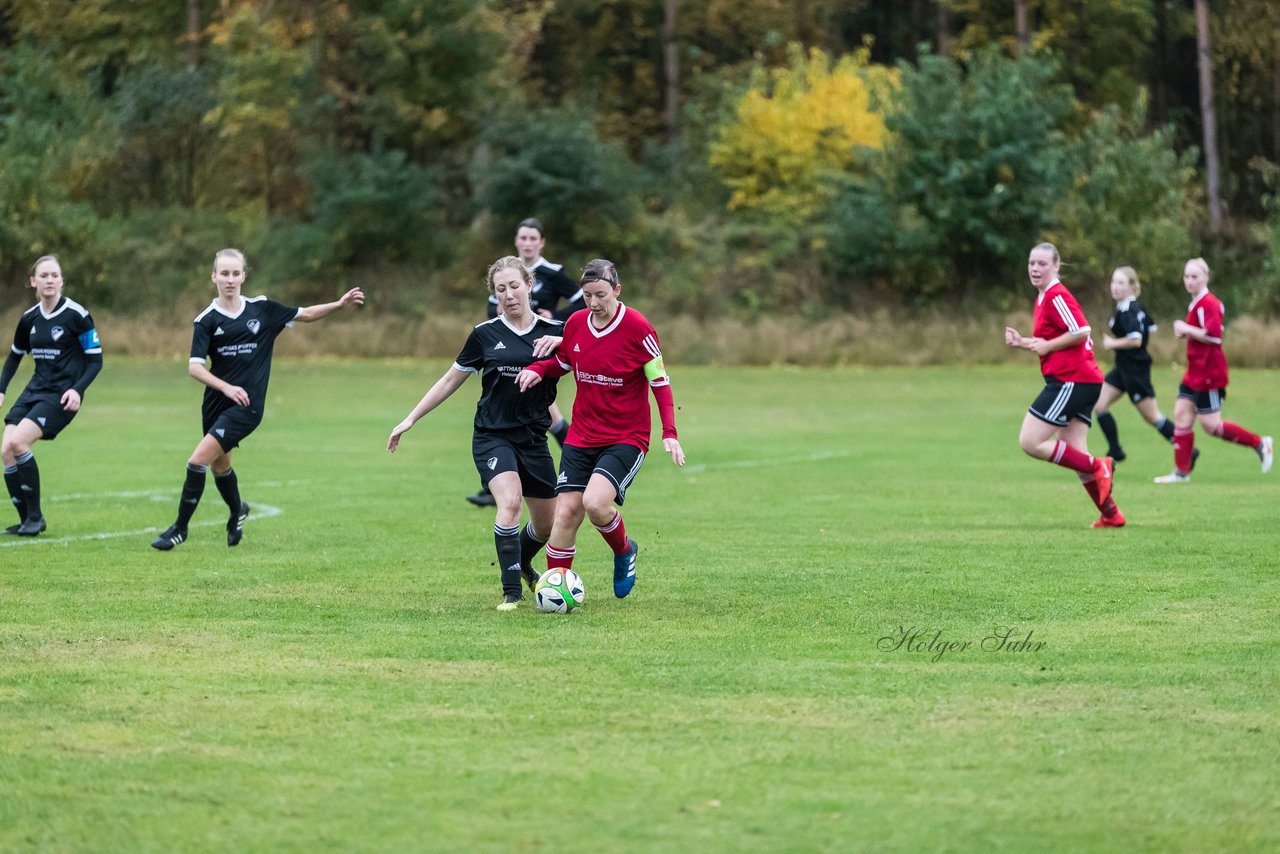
point(1132, 202)
point(363, 208)
point(967, 183)
point(555, 166)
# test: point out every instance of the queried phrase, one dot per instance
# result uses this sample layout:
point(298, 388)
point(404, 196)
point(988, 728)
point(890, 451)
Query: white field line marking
point(773, 461)
point(259, 511)
point(156, 494)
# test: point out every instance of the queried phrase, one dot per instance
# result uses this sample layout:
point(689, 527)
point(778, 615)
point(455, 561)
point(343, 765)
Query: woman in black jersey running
point(237, 335)
point(1127, 335)
point(61, 338)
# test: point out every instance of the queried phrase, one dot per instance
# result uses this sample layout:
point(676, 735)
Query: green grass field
point(341, 681)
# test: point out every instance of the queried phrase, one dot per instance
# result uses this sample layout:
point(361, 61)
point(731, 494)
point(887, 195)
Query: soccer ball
point(559, 591)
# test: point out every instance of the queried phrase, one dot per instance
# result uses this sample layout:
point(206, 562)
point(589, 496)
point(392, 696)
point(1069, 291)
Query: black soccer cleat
point(13, 529)
point(1195, 455)
point(483, 498)
point(1117, 455)
point(235, 525)
point(172, 536)
point(530, 576)
point(30, 528)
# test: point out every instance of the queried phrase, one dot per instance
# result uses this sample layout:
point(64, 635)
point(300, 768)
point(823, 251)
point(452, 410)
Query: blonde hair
point(231, 253)
point(1132, 275)
point(508, 262)
point(41, 260)
point(1204, 265)
point(1051, 248)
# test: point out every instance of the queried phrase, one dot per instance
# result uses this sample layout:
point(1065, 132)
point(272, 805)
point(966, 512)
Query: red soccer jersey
point(1057, 313)
point(611, 405)
point(1206, 363)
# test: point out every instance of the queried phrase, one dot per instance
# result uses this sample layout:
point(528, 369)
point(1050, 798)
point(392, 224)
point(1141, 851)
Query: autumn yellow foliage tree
point(795, 125)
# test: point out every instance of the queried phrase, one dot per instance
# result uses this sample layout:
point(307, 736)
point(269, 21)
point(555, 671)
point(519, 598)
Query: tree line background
point(735, 157)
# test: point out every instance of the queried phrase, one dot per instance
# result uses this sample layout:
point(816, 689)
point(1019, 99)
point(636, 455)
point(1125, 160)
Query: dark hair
point(599, 270)
point(532, 222)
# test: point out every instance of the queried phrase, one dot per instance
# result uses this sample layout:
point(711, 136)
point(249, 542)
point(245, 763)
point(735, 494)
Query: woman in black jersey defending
point(1127, 335)
point(551, 286)
point(509, 442)
point(62, 339)
point(237, 334)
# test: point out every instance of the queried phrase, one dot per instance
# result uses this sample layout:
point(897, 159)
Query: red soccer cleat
point(1104, 469)
point(1115, 520)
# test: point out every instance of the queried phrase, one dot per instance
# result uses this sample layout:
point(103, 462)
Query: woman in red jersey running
point(1204, 385)
point(615, 359)
point(1056, 426)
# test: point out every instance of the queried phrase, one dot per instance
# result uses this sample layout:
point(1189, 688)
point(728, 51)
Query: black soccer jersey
point(239, 346)
point(499, 350)
point(64, 345)
point(551, 284)
point(1131, 321)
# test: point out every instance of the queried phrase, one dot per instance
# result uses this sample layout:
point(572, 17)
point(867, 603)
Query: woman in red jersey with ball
point(1056, 426)
point(1204, 385)
point(614, 355)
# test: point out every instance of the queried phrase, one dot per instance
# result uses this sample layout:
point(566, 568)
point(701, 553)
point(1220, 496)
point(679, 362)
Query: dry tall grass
point(879, 338)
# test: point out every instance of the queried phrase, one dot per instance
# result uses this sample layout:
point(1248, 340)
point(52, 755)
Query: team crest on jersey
point(493, 463)
point(56, 332)
point(253, 325)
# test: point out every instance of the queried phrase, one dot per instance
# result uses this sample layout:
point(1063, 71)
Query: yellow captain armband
point(655, 370)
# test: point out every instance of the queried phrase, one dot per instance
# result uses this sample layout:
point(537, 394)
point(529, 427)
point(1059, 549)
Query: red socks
point(615, 534)
point(1068, 457)
point(560, 558)
point(1236, 433)
point(1184, 441)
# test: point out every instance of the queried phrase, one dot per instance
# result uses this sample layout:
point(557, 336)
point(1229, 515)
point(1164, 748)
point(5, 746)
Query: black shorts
point(1205, 401)
point(231, 425)
point(45, 410)
point(1060, 402)
point(1133, 380)
point(619, 463)
point(523, 451)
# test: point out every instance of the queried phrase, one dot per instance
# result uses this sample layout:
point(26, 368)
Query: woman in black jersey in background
point(1127, 335)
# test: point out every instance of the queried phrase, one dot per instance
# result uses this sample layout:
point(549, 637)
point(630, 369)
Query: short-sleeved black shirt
point(1132, 321)
point(58, 342)
point(239, 346)
point(498, 351)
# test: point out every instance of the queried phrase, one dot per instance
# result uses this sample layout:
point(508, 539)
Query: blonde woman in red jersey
point(615, 359)
point(1056, 426)
point(1204, 385)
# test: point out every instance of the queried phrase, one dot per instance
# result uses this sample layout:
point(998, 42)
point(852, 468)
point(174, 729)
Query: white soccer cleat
point(1173, 477)
point(1267, 451)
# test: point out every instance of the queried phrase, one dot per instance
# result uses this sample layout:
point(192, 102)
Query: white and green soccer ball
point(559, 591)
